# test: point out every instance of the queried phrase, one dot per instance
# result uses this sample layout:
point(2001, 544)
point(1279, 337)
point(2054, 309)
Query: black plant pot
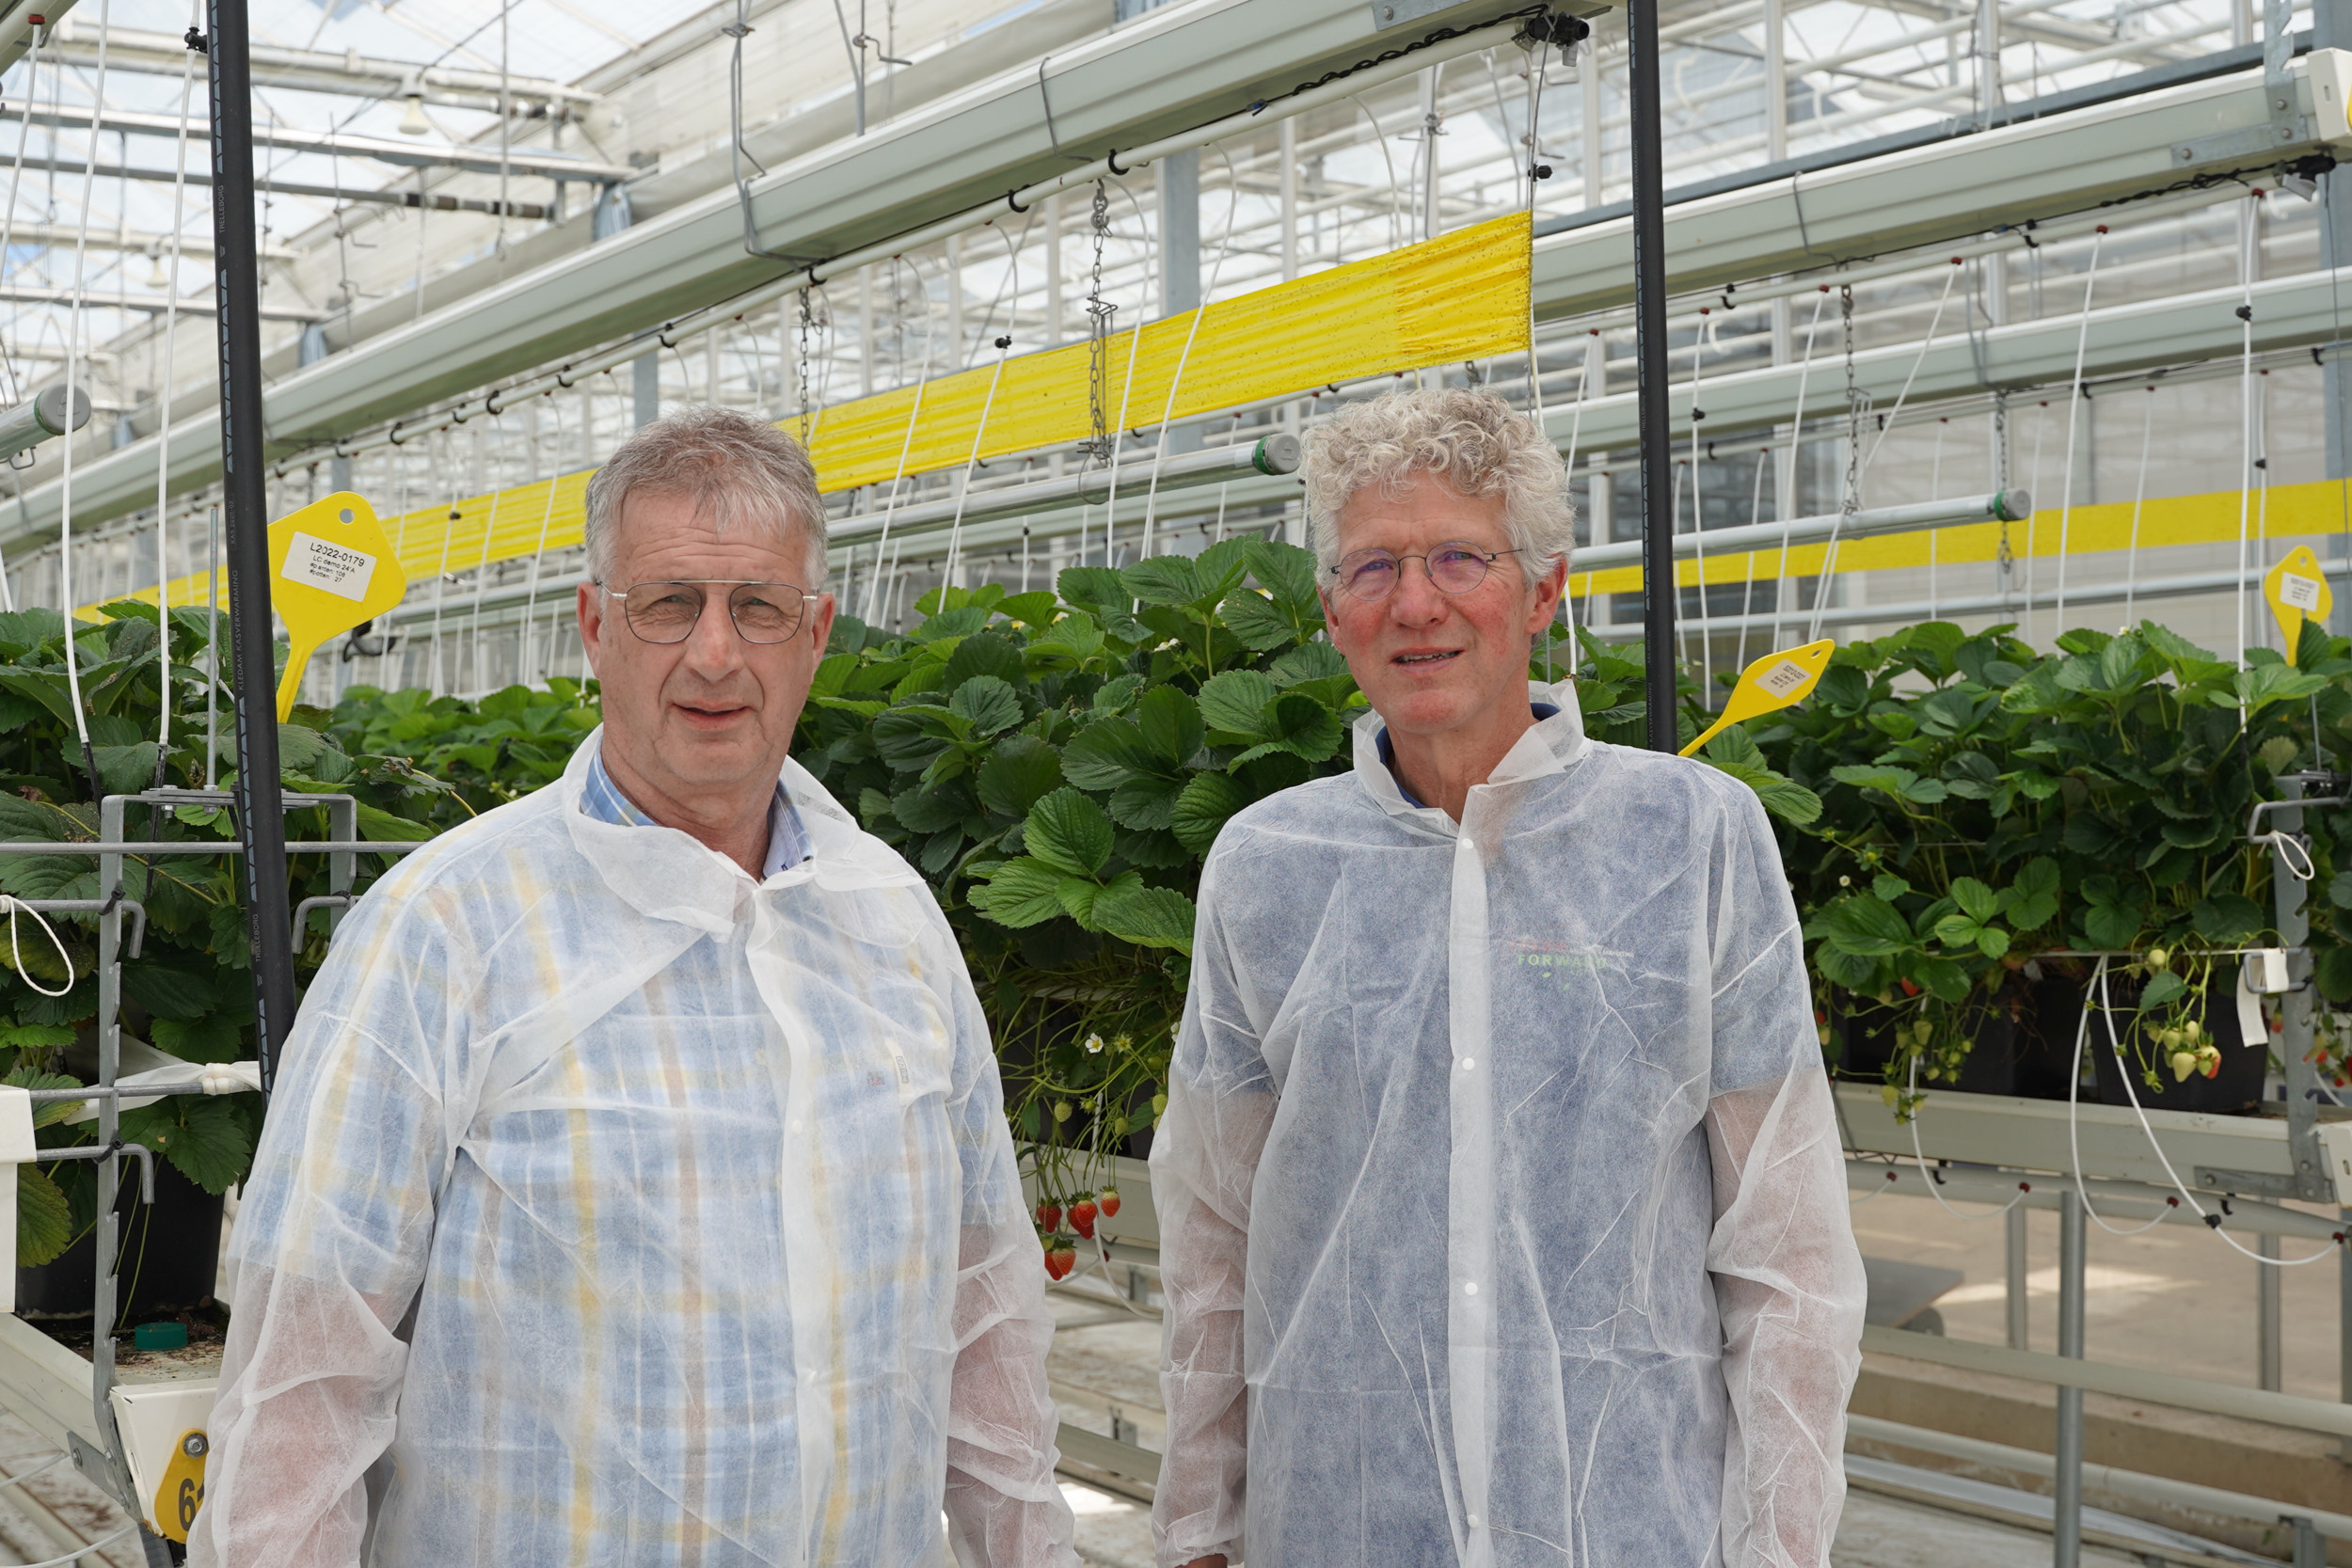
point(169, 1256)
point(2237, 1087)
point(2009, 1055)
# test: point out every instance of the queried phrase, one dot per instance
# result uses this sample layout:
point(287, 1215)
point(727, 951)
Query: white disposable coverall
point(1503, 1212)
point(642, 1213)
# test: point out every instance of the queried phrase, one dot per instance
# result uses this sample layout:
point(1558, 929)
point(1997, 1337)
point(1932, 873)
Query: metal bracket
point(104, 1472)
point(2250, 1183)
point(2252, 141)
point(1396, 13)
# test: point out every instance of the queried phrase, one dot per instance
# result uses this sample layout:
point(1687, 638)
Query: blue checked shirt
point(616, 1210)
point(787, 837)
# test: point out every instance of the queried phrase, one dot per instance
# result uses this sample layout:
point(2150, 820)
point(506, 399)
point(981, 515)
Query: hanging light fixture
point(413, 123)
point(157, 275)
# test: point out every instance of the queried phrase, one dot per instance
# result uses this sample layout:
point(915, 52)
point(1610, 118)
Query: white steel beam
point(2030, 171)
point(318, 70)
point(472, 158)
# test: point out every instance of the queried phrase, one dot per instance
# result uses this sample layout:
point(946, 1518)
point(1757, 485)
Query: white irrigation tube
point(2074, 400)
point(1246, 122)
point(1929, 1177)
point(16, 181)
point(16, 958)
point(2123, 1071)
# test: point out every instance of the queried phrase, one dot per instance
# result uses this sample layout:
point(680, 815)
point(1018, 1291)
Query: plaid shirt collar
point(788, 837)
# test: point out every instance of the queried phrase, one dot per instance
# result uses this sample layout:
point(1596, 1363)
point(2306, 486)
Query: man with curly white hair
point(1502, 1210)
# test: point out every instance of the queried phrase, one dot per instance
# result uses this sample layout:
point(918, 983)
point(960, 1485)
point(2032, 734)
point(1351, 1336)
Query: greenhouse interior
point(1934, 890)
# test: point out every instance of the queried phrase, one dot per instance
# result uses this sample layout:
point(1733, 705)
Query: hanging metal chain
point(1099, 313)
point(808, 324)
point(1857, 405)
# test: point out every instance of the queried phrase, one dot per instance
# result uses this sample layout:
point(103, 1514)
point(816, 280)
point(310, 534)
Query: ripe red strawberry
point(1059, 1261)
point(1049, 1216)
point(1082, 1218)
point(1911, 988)
point(1107, 1200)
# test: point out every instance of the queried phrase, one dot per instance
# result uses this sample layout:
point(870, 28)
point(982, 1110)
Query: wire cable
point(2140, 499)
point(2076, 395)
point(1796, 437)
point(1200, 313)
point(531, 591)
point(163, 418)
point(2213, 1221)
point(971, 463)
point(16, 957)
point(72, 372)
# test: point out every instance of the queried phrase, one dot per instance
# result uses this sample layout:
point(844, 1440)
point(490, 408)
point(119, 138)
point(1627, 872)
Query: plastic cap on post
point(1277, 454)
point(160, 1337)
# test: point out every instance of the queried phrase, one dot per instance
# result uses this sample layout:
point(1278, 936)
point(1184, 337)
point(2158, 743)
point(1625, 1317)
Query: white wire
point(2188, 1197)
point(898, 476)
point(531, 591)
point(163, 407)
point(1857, 1202)
point(1201, 312)
point(1796, 438)
point(2290, 851)
point(2075, 399)
point(1698, 518)
point(16, 180)
point(2074, 1090)
point(16, 956)
point(979, 431)
point(80, 1553)
point(72, 369)
point(1929, 1177)
point(2139, 497)
point(2246, 431)
point(482, 579)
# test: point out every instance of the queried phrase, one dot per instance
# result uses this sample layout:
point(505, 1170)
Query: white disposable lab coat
point(640, 1213)
point(1502, 1213)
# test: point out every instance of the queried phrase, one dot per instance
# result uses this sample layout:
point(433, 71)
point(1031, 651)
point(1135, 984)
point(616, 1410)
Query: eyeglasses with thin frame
point(668, 612)
point(1455, 567)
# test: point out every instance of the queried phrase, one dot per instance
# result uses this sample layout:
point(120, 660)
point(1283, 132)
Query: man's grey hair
point(1478, 444)
point(740, 470)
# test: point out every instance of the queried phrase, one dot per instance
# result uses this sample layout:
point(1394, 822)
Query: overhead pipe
point(29, 424)
point(2001, 506)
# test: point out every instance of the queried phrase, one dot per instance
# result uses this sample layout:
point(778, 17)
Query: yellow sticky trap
point(331, 568)
point(182, 1491)
point(1772, 683)
point(2297, 589)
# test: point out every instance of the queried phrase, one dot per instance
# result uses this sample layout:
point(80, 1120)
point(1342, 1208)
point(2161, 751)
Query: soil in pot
point(2238, 1087)
point(169, 1256)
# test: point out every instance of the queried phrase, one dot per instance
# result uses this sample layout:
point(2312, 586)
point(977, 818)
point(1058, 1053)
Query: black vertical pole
point(260, 803)
point(1649, 355)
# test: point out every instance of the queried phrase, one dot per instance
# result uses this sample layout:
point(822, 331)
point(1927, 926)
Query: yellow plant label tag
point(182, 1490)
point(1772, 683)
point(331, 569)
point(2296, 590)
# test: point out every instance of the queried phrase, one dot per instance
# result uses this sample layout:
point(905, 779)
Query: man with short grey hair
point(1501, 1210)
point(636, 1190)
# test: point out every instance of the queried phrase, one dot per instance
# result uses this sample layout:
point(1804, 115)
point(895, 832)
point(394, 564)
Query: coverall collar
point(1552, 746)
